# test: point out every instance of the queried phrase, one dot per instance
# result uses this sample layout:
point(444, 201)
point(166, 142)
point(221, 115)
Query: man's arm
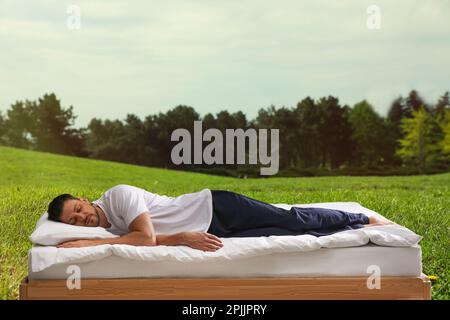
point(197, 240)
point(141, 233)
point(170, 239)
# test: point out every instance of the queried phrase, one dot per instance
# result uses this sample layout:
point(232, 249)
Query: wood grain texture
point(230, 288)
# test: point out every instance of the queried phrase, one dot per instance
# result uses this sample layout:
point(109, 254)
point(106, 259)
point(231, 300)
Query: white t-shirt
point(188, 212)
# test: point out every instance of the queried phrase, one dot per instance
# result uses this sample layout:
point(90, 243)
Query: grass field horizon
point(30, 179)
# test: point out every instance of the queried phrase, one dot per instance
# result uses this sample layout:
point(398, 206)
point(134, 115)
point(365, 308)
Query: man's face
point(79, 213)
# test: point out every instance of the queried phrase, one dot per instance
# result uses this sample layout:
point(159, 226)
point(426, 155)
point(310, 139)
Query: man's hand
point(201, 241)
point(78, 244)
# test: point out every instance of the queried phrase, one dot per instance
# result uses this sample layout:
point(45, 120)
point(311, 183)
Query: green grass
point(29, 180)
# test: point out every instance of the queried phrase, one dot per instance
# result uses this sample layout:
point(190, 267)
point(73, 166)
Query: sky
point(145, 57)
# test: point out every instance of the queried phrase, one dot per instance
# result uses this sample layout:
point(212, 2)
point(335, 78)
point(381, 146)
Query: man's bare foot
point(376, 221)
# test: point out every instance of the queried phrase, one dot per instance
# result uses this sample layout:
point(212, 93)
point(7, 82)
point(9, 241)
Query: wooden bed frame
point(282, 288)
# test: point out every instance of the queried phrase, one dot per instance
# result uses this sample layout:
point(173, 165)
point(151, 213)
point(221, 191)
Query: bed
point(339, 266)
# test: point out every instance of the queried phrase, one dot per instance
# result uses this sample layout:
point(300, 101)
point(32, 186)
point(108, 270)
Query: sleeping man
point(197, 220)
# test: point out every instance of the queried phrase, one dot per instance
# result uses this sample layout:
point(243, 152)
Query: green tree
point(368, 135)
point(414, 102)
point(442, 106)
point(105, 140)
point(418, 143)
point(159, 128)
point(18, 125)
point(119, 141)
point(334, 132)
point(209, 121)
point(308, 144)
point(286, 121)
point(397, 111)
point(225, 120)
point(136, 145)
point(51, 124)
point(2, 128)
point(445, 143)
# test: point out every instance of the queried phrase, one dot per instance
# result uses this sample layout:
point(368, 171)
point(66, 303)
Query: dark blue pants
point(235, 215)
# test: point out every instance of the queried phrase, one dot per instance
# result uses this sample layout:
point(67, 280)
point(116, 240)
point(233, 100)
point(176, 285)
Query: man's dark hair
point(55, 207)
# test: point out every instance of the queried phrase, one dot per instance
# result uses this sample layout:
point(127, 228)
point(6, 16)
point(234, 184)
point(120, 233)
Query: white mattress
point(348, 261)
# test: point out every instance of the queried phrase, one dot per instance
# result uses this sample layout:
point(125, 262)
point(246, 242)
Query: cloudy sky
point(143, 57)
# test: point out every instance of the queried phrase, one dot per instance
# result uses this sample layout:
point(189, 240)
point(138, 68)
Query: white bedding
point(43, 257)
point(336, 262)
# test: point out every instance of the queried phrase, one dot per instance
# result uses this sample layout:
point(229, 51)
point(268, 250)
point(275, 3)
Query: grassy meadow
point(29, 180)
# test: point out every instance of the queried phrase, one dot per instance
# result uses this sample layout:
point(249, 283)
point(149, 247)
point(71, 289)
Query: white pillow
point(51, 233)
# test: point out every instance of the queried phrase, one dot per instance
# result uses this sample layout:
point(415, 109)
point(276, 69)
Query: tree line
point(317, 136)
